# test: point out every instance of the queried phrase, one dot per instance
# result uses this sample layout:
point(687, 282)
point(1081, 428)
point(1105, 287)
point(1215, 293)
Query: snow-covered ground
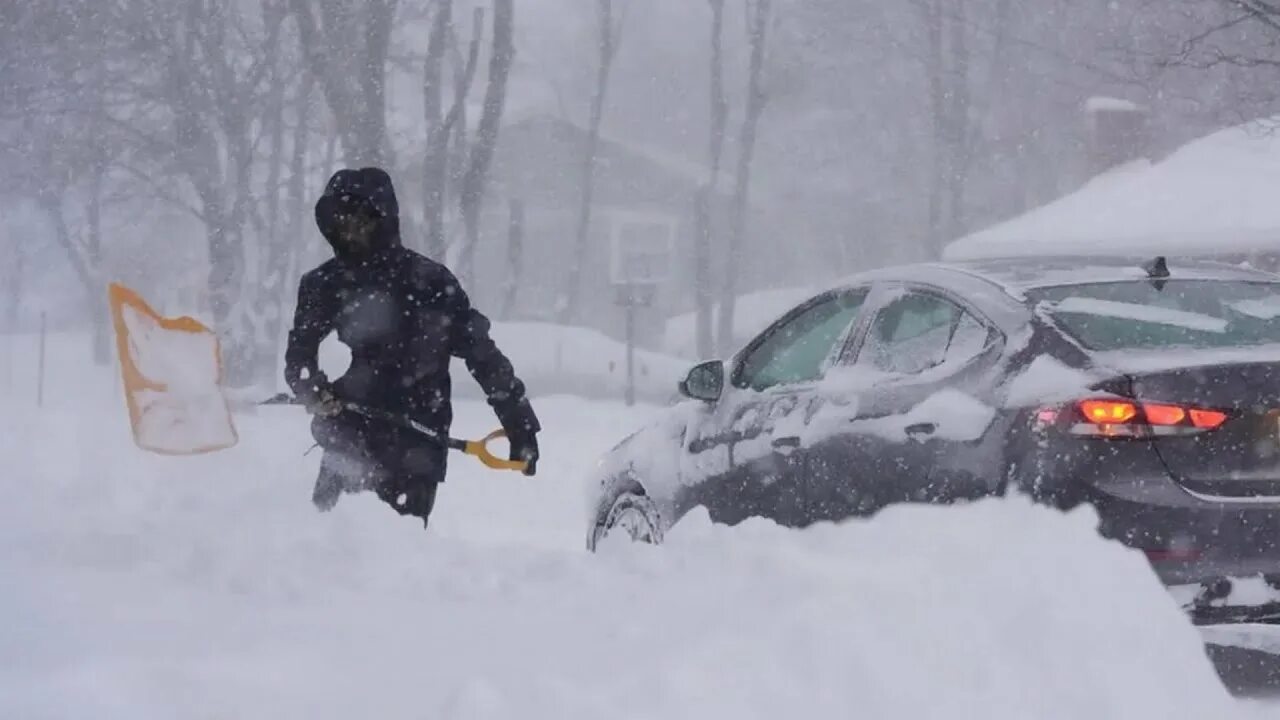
point(139, 586)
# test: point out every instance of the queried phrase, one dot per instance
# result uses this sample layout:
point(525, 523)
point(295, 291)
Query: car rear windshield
point(1178, 313)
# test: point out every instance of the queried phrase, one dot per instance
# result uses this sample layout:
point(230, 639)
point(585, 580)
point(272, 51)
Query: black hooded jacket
point(403, 316)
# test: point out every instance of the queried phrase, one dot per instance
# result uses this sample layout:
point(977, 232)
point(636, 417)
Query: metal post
point(631, 354)
point(9, 341)
point(40, 370)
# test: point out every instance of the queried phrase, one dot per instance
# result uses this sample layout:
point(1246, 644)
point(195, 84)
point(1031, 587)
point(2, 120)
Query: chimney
point(1118, 133)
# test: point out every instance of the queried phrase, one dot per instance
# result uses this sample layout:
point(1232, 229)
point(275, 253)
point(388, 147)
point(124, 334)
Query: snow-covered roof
point(1217, 195)
point(1109, 104)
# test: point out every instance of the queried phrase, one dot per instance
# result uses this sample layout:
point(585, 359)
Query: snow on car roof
point(1016, 275)
point(1019, 274)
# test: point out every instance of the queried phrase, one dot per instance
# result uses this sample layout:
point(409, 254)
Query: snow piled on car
point(140, 586)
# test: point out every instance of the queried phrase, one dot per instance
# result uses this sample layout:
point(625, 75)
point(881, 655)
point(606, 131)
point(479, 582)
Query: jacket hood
point(370, 184)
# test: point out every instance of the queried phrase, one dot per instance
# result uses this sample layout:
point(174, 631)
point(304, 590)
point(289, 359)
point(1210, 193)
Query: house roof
point(542, 155)
point(1217, 195)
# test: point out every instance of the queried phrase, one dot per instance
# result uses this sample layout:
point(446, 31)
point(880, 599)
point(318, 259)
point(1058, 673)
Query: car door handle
point(923, 428)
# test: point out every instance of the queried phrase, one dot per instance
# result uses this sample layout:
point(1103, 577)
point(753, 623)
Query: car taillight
point(1123, 418)
point(1104, 412)
point(1207, 419)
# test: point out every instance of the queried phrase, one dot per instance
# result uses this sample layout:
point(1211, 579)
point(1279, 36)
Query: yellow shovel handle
point(479, 449)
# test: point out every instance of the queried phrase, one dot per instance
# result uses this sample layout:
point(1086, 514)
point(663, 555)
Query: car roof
point(1019, 274)
point(1016, 275)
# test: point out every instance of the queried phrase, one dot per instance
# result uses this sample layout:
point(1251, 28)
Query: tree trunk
point(958, 131)
point(275, 246)
point(13, 286)
point(80, 259)
point(379, 18)
point(226, 269)
point(93, 250)
point(702, 272)
point(297, 237)
point(938, 114)
point(434, 162)
point(436, 174)
point(704, 237)
point(352, 79)
point(97, 305)
point(758, 29)
point(473, 183)
point(569, 309)
point(515, 255)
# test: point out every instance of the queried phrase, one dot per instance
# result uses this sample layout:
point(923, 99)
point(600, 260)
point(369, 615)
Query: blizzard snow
point(752, 314)
point(140, 586)
point(1214, 195)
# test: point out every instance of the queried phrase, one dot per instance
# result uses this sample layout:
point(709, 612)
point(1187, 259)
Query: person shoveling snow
point(384, 424)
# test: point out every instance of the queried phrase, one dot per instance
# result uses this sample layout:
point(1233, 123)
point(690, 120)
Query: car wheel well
point(625, 486)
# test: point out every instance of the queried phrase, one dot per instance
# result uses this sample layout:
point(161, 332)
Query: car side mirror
point(704, 382)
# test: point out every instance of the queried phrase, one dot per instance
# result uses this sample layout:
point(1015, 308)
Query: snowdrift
point(141, 586)
point(1214, 195)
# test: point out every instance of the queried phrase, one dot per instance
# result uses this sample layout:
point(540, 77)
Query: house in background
point(1217, 197)
point(642, 227)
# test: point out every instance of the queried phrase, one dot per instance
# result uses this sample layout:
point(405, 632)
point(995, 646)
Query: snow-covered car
point(1149, 389)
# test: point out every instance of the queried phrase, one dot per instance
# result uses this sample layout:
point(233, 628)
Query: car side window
point(969, 340)
point(919, 331)
point(798, 350)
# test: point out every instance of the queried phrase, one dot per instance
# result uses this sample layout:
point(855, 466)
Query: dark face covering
point(355, 227)
point(355, 233)
point(358, 213)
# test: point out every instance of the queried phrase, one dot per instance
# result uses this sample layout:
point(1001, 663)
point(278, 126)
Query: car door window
point(797, 351)
point(969, 340)
point(919, 331)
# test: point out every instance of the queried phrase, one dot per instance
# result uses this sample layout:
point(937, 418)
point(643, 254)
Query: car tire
point(633, 513)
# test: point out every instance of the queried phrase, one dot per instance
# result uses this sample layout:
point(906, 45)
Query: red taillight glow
point(1108, 412)
point(1123, 418)
point(1207, 419)
point(1165, 414)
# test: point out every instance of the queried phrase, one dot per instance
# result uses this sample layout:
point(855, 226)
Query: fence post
point(8, 359)
point(44, 331)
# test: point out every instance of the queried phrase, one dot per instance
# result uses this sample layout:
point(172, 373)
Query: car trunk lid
point(1239, 459)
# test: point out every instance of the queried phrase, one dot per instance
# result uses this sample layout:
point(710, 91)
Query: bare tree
point(13, 277)
point(486, 142)
point(609, 34)
point(440, 127)
point(515, 257)
point(346, 46)
point(759, 19)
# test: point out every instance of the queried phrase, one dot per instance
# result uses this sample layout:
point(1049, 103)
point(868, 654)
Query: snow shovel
point(479, 449)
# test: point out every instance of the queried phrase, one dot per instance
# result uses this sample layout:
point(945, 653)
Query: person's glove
point(321, 400)
point(524, 448)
